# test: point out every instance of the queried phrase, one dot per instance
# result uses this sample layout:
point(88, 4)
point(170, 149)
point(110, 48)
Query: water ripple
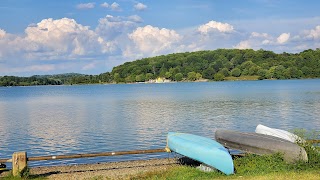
point(85, 119)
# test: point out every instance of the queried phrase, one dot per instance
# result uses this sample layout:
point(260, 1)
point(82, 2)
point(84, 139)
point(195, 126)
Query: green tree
point(168, 75)
point(140, 78)
point(262, 73)
point(279, 72)
point(149, 76)
point(225, 72)
point(217, 65)
point(218, 77)
point(236, 72)
point(130, 79)
point(192, 76)
point(117, 78)
point(208, 73)
point(253, 70)
point(178, 77)
point(198, 76)
point(306, 71)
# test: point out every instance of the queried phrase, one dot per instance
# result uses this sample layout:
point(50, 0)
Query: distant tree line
point(219, 64)
point(216, 65)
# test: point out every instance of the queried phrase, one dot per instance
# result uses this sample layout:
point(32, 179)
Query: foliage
point(236, 72)
point(218, 77)
point(193, 66)
point(178, 77)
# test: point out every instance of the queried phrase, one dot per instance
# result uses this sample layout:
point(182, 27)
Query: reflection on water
point(53, 120)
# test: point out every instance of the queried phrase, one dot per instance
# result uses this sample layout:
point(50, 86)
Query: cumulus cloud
point(105, 5)
point(55, 39)
point(135, 18)
point(86, 6)
point(213, 26)
point(117, 38)
point(140, 7)
point(283, 38)
point(255, 40)
point(61, 36)
point(115, 7)
point(110, 27)
point(313, 33)
point(265, 41)
point(153, 40)
point(243, 45)
point(2, 33)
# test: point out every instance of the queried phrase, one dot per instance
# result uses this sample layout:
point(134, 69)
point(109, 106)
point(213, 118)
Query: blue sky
point(91, 37)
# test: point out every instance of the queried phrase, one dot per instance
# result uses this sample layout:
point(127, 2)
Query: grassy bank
point(251, 167)
point(241, 78)
point(248, 167)
point(184, 172)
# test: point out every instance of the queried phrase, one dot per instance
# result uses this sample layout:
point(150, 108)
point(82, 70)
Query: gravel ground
point(112, 170)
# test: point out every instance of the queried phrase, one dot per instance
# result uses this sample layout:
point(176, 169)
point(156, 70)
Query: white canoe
point(261, 129)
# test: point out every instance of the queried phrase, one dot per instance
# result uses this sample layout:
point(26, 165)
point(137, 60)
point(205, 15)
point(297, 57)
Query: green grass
point(184, 172)
point(251, 167)
point(241, 78)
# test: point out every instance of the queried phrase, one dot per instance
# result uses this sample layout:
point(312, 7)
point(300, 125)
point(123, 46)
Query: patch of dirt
point(111, 170)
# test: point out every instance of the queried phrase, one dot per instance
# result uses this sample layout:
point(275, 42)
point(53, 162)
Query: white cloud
point(265, 41)
point(2, 33)
point(313, 33)
point(89, 66)
point(86, 6)
point(105, 5)
point(153, 41)
point(117, 39)
point(111, 27)
point(135, 18)
point(28, 68)
point(283, 38)
point(62, 36)
point(54, 40)
point(115, 6)
point(259, 35)
point(213, 26)
point(243, 45)
point(140, 7)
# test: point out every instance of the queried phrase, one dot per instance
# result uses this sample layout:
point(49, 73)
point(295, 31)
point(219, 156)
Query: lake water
point(55, 120)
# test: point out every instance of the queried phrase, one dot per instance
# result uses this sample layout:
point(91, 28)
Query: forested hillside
point(221, 63)
point(217, 65)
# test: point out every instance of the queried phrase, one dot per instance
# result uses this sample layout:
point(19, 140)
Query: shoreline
point(109, 170)
point(172, 82)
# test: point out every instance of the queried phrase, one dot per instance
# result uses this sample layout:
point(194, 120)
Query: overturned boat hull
point(261, 144)
point(202, 149)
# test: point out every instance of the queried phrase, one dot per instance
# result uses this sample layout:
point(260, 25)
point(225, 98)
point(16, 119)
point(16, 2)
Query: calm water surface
point(54, 120)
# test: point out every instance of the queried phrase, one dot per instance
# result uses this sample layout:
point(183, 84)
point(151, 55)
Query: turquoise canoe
point(201, 149)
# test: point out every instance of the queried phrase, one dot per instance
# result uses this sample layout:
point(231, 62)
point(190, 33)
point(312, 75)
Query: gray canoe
point(260, 144)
